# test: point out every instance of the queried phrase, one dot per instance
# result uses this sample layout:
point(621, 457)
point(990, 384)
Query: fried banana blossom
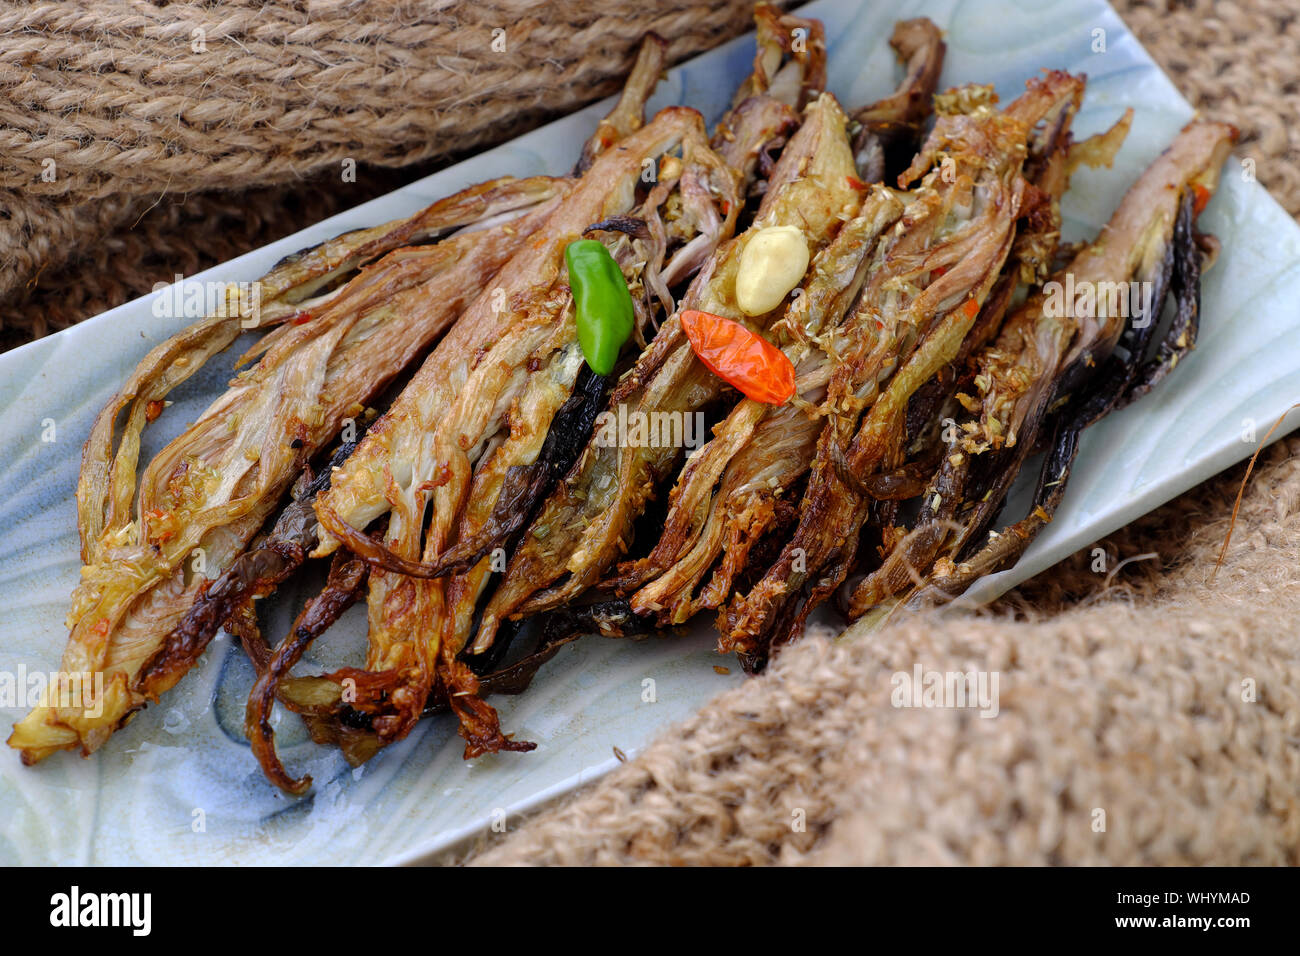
point(737, 487)
point(481, 406)
point(210, 489)
point(586, 524)
point(938, 331)
point(922, 296)
point(1055, 368)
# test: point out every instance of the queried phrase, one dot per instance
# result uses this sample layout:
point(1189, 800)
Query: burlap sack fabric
point(1127, 693)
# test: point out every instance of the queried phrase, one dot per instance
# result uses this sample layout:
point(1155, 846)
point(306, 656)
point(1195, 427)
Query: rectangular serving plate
point(178, 785)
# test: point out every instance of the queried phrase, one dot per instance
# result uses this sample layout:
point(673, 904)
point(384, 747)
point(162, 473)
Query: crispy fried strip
point(892, 127)
point(628, 114)
point(255, 573)
point(789, 62)
point(345, 586)
point(242, 624)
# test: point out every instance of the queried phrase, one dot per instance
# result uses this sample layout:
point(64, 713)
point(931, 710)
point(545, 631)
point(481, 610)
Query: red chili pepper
point(855, 183)
point(301, 318)
point(971, 308)
point(740, 357)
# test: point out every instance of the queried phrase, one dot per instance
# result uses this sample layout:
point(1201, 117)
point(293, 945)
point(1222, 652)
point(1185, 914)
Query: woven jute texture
point(131, 132)
point(1148, 713)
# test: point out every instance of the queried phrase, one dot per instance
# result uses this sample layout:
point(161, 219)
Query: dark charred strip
point(908, 562)
point(754, 656)
point(479, 723)
point(628, 114)
point(554, 629)
point(1185, 287)
point(628, 225)
point(904, 482)
point(1117, 377)
point(526, 486)
point(243, 625)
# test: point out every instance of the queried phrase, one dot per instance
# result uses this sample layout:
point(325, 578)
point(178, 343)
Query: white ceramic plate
point(179, 785)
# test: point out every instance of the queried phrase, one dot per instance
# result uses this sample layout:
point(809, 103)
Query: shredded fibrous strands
point(843, 334)
point(1241, 491)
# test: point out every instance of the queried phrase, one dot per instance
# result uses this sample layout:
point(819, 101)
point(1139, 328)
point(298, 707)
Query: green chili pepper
point(601, 301)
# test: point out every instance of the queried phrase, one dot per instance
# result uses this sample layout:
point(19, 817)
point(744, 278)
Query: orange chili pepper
point(971, 308)
point(740, 357)
point(1202, 197)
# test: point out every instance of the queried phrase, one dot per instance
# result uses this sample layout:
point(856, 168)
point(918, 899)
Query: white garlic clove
point(771, 264)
